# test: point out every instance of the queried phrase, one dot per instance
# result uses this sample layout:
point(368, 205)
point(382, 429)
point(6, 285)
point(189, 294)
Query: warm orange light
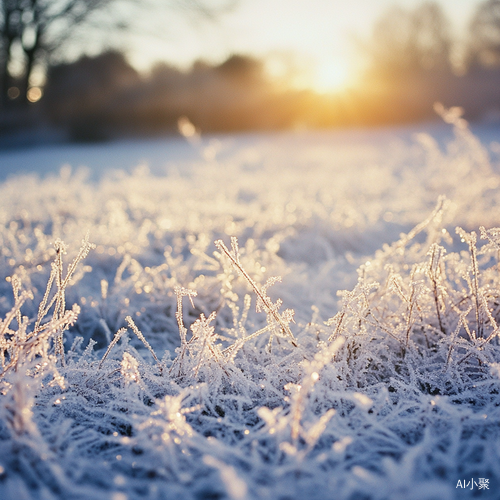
point(325, 74)
point(34, 94)
point(331, 76)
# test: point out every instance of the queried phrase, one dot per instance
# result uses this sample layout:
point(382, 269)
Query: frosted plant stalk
point(262, 298)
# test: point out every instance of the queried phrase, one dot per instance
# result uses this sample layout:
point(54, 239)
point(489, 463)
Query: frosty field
point(149, 349)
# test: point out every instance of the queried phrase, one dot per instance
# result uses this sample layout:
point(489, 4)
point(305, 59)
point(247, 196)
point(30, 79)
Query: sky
point(315, 37)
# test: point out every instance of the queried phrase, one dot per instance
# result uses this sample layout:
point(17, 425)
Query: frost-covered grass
point(149, 349)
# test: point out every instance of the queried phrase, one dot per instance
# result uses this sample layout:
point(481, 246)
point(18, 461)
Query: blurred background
point(92, 70)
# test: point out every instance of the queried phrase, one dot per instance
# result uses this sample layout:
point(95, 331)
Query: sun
point(323, 74)
point(331, 76)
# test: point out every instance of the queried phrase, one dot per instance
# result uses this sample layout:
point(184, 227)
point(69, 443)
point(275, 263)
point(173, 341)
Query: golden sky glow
point(317, 34)
point(331, 76)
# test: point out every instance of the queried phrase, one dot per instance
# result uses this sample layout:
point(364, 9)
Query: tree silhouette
point(485, 34)
point(33, 32)
point(408, 41)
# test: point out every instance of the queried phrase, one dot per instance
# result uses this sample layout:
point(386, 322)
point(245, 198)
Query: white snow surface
point(170, 362)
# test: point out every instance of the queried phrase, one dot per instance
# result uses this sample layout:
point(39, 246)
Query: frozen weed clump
point(337, 349)
point(278, 322)
point(426, 317)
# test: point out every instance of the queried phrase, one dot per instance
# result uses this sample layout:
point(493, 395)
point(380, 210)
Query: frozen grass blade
point(141, 337)
point(263, 300)
point(115, 340)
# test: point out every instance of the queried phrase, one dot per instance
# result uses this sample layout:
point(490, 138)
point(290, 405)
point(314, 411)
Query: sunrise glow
point(331, 76)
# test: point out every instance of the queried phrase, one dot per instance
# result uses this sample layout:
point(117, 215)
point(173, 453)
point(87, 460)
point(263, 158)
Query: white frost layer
point(392, 390)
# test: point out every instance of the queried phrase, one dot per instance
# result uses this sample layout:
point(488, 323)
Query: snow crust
point(258, 320)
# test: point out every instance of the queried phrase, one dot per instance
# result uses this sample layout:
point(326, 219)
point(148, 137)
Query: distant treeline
point(100, 97)
point(413, 63)
point(103, 95)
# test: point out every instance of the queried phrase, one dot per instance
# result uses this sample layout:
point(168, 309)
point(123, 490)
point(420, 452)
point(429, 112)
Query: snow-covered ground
point(166, 362)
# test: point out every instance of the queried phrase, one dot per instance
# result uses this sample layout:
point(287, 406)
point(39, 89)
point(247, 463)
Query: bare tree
point(410, 41)
point(32, 32)
point(430, 37)
point(485, 34)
